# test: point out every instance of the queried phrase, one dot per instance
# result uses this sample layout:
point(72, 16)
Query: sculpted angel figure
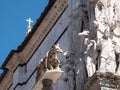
point(90, 53)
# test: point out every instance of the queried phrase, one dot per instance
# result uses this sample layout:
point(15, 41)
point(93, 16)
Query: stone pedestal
point(103, 81)
point(47, 80)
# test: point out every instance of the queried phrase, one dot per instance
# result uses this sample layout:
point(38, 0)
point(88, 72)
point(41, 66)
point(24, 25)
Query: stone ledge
point(53, 75)
point(99, 80)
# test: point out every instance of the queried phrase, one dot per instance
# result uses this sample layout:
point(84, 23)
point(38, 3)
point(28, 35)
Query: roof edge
point(38, 22)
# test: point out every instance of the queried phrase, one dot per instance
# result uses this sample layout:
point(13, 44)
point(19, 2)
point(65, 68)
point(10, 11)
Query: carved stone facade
point(103, 81)
point(88, 35)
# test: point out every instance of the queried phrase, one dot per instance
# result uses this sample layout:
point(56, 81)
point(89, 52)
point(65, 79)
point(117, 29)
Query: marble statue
point(90, 57)
point(107, 23)
point(50, 61)
point(107, 53)
point(90, 53)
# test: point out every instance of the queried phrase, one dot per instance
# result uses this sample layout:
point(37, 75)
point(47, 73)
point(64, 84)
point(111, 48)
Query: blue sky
point(13, 15)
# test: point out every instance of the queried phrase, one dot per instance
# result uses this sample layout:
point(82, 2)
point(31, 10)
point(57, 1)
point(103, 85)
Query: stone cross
point(29, 21)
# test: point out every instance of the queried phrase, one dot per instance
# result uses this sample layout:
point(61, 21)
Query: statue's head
point(107, 32)
point(57, 48)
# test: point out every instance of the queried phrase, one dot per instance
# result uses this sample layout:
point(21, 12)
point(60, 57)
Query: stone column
point(47, 84)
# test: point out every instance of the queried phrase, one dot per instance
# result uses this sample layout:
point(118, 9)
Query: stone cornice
point(35, 40)
point(6, 81)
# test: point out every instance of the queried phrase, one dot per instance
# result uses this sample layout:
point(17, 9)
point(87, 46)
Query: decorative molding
point(7, 81)
point(12, 64)
point(24, 56)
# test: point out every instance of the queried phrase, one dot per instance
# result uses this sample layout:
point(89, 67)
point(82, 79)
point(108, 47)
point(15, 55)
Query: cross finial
point(29, 26)
point(29, 21)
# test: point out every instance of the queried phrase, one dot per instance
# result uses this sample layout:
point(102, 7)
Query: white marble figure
point(49, 62)
point(90, 53)
point(52, 59)
point(107, 53)
point(107, 15)
point(90, 57)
